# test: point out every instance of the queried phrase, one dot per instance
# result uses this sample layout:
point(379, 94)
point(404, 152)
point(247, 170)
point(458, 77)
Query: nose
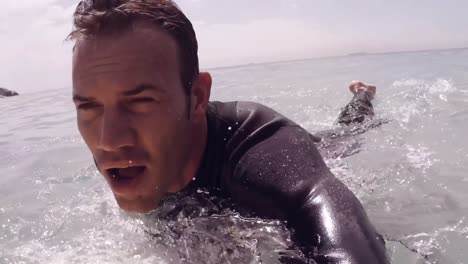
point(115, 132)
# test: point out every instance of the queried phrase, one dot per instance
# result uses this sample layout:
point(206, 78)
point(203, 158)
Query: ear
point(201, 91)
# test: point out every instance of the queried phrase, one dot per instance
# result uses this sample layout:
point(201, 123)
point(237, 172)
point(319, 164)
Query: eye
point(142, 104)
point(143, 100)
point(86, 106)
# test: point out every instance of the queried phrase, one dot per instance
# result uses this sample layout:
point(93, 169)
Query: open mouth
point(125, 174)
point(125, 177)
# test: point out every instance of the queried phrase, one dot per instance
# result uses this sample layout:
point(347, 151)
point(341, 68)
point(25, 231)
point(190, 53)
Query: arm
point(284, 176)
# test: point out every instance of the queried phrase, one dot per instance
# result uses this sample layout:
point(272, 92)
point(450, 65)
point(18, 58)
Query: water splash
point(420, 156)
point(414, 98)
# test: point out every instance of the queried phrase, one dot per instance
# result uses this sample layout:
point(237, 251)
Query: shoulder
point(246, 116)
point(242, 130)
point(243, 124)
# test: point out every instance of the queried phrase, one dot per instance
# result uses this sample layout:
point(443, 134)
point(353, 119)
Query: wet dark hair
point(98, 17)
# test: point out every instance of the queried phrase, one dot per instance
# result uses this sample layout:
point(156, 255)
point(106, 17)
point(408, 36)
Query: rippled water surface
point(410, 174)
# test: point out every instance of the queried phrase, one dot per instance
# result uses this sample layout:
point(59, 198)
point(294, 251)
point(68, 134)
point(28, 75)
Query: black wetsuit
point(358, 110)
point(266, 162)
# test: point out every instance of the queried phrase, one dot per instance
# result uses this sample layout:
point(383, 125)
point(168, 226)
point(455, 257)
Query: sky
point(34, 55)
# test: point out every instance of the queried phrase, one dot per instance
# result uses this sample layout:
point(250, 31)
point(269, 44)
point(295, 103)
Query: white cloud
point(263, 40)
point(33, 53)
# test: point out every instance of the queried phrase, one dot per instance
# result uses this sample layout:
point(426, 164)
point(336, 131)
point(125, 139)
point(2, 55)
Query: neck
point(199, 141)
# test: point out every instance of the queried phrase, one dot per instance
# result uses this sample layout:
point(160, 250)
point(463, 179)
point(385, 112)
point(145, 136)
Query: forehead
point(139, 52)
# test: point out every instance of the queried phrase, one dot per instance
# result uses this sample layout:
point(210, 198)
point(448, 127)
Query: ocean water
point(410, 173)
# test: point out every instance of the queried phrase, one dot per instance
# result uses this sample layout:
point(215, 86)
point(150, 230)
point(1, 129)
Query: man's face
point(132, 113)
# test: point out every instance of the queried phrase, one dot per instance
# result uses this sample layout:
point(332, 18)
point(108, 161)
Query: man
point(143, 110)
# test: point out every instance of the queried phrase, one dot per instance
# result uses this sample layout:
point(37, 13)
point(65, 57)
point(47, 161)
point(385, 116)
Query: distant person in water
point(143, 110)
point(5, 92)
point(360, 108)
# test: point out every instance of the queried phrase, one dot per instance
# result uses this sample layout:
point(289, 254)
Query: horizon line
point(352, 54)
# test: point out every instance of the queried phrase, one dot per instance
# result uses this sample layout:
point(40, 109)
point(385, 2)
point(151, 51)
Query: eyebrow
point(141, 88)
point(138, 89)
